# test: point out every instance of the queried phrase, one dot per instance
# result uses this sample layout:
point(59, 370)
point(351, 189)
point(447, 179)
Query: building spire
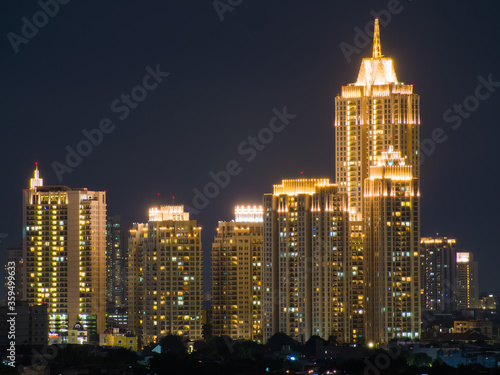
point(36, 180)
point(377, 50)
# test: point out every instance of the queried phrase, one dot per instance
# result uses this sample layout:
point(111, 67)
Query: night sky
point(225, 78)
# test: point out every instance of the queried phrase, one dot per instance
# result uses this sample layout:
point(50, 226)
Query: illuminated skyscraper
point(392, 243)
point(135, 292)
point(164, 274)
point(438, 274)
point(64, 246)
point(237, 276)
point(467, 281)
point(372, 114)
point(306, 271)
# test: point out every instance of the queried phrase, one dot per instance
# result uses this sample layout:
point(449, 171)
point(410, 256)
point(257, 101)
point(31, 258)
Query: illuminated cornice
point(300, 186)
point(464, 257)
point(390, 165)
point(175, 213)
point(437, 240)
point(249, 214)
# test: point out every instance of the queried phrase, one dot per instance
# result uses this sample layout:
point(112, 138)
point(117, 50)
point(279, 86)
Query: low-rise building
point(77, 335)
point(116, 339)
point(484, 327)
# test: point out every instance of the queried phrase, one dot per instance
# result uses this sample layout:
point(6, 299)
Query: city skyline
point(257, 177)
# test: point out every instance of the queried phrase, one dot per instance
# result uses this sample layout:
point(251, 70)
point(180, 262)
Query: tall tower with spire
point(375, 112)
point(372, 114)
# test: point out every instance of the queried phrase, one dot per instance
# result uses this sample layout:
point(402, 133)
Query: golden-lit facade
point(237, 275)
point(164, 274)
point(137, 242)
point(64, 247)
point(357, 287)
point(306, 262)
point(372, 114)
point(467, 281)
point(119, 340)
point(392, 240)
point(438, 274)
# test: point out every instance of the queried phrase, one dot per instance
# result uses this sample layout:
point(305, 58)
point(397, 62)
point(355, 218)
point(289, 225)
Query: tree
point(279, 340)
point(310, 346)
point(172, 344)
point(421, 359)
point(332, 340)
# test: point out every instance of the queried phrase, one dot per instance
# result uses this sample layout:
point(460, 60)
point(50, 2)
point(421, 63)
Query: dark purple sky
point(225, 79)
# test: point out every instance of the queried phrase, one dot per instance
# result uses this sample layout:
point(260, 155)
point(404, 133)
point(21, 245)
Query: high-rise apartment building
point(135, 292)
point(371, 115)
point(115, 264)
point(164, 275)
point(306, 262)
point(392, 241)
point(64, 248)
point(438, 274)
point(237, 275)
point(467, 281)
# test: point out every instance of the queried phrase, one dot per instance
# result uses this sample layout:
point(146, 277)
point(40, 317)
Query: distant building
point(484, 327)
point(438, 274)
point(115, 263)
point(31, 324)
point(117, 318)
point(467, 281)
point(14, 257)
point(489, 302)
point(78, 335)
point(237, 276)
point(306, 261)
point(137, 242)
point(64, 253)
point(164, 276)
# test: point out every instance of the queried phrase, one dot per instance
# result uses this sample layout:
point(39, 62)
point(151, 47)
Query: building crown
point(169, 212)
point(249, 214)
point(390, 158)
point(377, 70)
point(36, 180)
